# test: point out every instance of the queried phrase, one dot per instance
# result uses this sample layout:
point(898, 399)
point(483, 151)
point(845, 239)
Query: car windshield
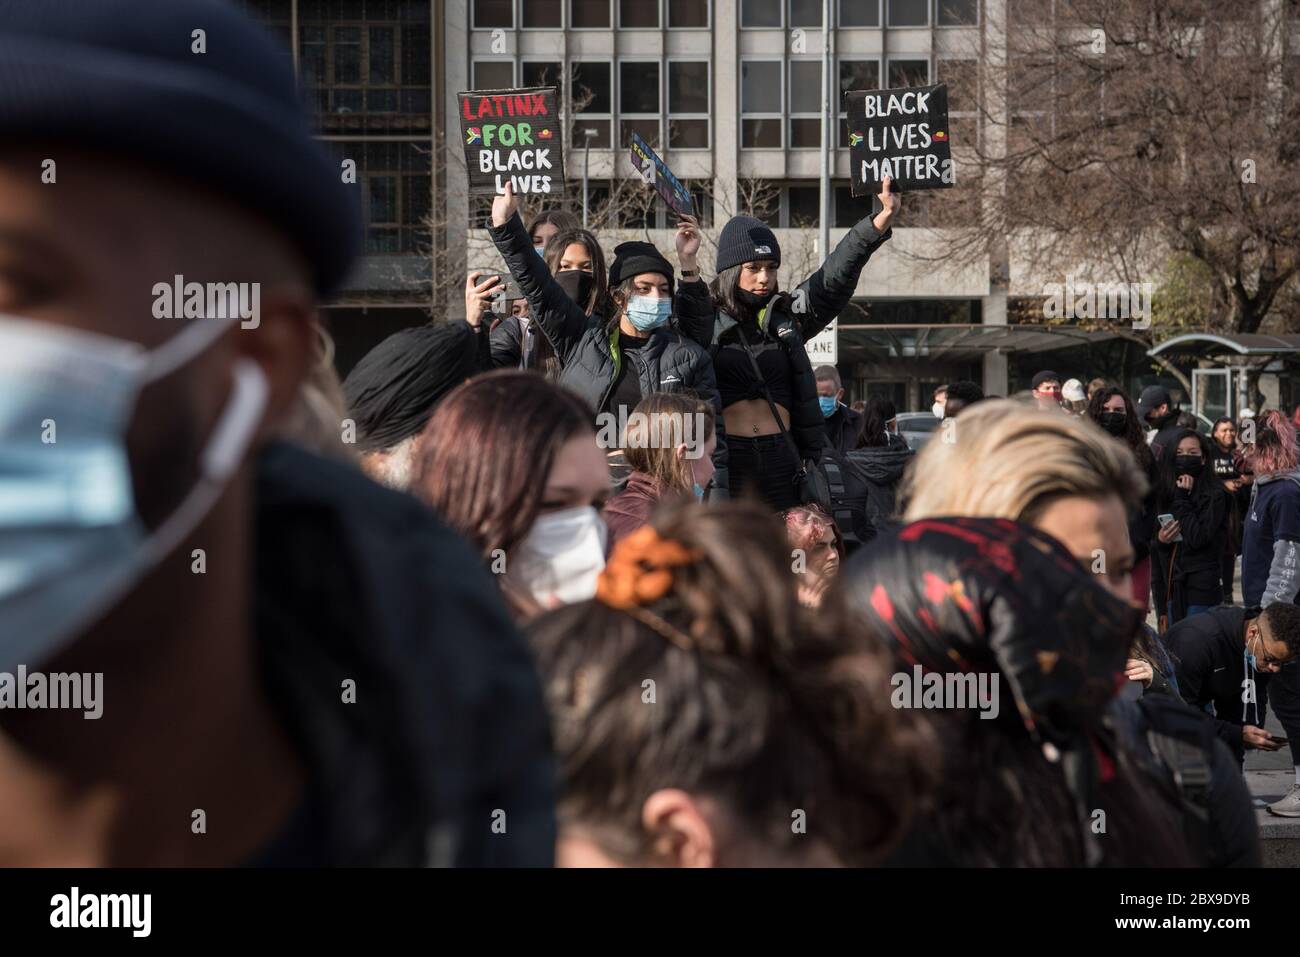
point(920, 423)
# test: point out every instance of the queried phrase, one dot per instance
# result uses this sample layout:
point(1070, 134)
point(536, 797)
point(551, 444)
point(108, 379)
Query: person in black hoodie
point(765, 378)
point(1217, 653)
point(617, 352)
point(1111, 409)
point(842, 423)
point(1186, 575)
point(880, 458)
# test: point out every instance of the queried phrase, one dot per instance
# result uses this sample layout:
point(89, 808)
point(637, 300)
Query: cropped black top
point(735, 374)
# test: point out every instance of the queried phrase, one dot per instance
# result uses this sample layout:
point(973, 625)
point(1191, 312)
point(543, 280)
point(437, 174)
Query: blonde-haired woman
point(668, 443)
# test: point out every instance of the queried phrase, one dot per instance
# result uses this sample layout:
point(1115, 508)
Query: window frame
point(658, 117)
point(668, 91)
point(929, 18)
point(473, 72)
point(788, 15)
point(659, 7)
point(779, 115)
point(914, 58)
point(607, 118)
point(839, 19)
point(979, 18)
point(740, 16)
point(843, 113)
point(790, 114)
point(568, 18)
point(708, 18)
point(514, 18)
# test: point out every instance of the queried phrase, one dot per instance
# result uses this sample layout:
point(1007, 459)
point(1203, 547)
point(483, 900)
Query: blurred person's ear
point(281, 343)
point(678, 834)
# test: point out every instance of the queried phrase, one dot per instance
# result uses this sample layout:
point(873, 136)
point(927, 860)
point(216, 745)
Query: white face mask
point(560, 560)
point(937, 409)
point(71, 541)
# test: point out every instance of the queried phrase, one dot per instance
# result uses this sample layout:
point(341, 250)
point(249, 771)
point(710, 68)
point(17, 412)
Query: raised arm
point(827, 291)
point(692, 304)
point(557, 316)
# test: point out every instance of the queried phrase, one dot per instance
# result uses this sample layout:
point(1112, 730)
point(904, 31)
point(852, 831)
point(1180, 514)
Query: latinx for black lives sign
point(512, 136)
point(902, 134)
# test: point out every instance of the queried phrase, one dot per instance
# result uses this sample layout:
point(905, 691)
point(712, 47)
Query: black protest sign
point(513, 136)
point(655, 172)
point(902, 134)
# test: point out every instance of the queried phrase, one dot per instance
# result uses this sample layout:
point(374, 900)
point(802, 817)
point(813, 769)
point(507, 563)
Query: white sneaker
point(1289, 806)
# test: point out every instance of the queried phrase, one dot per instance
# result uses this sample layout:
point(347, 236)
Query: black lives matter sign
point(512, 136)
point(902, 134)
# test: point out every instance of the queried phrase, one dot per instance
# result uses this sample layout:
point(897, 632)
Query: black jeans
point(763, 467)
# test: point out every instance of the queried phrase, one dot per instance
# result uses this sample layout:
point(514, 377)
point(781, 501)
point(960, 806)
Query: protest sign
point(902, 134)
point(655, 172)
point(513, 136)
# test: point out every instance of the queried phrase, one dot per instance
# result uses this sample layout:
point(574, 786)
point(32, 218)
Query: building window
point(760, 13)
point(909, 13)
point(859, 13)
point(689, 87)
point(373, 75)
point(638, 14)
point(638, 100)
point(908, 73)
point(687, 14)
point(395, 183)
point(542, 73)
point(849, 208)
point(855, 75)
point(805, 104)
point(802, 206)
point(589, 14)
point(489, 14)
point(957, 13)
point(761, 106)
point(493, 75)
point(593, 102)
point(805, 13)
point(542, 14)
point(962, 78)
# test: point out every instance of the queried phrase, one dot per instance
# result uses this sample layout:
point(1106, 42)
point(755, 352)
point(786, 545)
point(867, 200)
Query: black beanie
point(122, 77)
point(632, 259)
point(745, 240)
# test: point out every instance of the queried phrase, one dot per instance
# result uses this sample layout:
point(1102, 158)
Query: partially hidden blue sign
point(655, 172)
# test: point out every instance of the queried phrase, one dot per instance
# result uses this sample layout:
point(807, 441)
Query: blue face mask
point(699, 492)
point(540, 250)
point(829, 404)
point(645, 313)
point(72, 543)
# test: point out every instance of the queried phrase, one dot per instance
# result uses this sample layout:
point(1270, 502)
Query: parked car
point(916, 428)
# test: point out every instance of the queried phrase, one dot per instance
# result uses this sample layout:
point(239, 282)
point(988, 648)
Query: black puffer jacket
point(793, 319)
point(882, 469)
point(673, 360)
point(1187, 572)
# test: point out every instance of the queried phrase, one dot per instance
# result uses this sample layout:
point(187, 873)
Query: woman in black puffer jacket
point(880, 458)
point(758, 326)
point(627, 347)
point(1186, 553)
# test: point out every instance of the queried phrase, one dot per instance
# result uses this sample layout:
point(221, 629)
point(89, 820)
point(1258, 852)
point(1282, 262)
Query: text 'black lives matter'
point(655, 172)
point(902, 134)
point(513, 136)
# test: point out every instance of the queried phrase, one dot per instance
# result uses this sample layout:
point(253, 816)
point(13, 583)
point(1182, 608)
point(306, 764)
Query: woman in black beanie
point(765, 378)
point(616, 352)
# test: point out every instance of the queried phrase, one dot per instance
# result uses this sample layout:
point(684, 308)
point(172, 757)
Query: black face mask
point(1116, 423)
point(577, 285)
point(752, 300)
point(1188, 465)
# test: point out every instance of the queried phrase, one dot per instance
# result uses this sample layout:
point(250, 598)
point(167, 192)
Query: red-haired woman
point(527, 498)
point(816, 550)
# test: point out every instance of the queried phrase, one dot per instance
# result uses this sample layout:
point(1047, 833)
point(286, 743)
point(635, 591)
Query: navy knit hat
point(633, 258)
point(745, 239)
point(123, 77)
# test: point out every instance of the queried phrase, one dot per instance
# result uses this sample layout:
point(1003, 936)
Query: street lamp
point(587, 134)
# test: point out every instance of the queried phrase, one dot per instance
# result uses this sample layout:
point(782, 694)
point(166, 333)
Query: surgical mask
point(1116, 423)
point(828, 404)
point(577, 285)
point(72, 543)
point(646, 313)
point(698, 489)
point(540, 250)
point(937, 409)
point(1188, 464)
point(562, 556)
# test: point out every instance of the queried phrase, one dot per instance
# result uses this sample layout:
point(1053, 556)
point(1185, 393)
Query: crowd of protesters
point(611, 576)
